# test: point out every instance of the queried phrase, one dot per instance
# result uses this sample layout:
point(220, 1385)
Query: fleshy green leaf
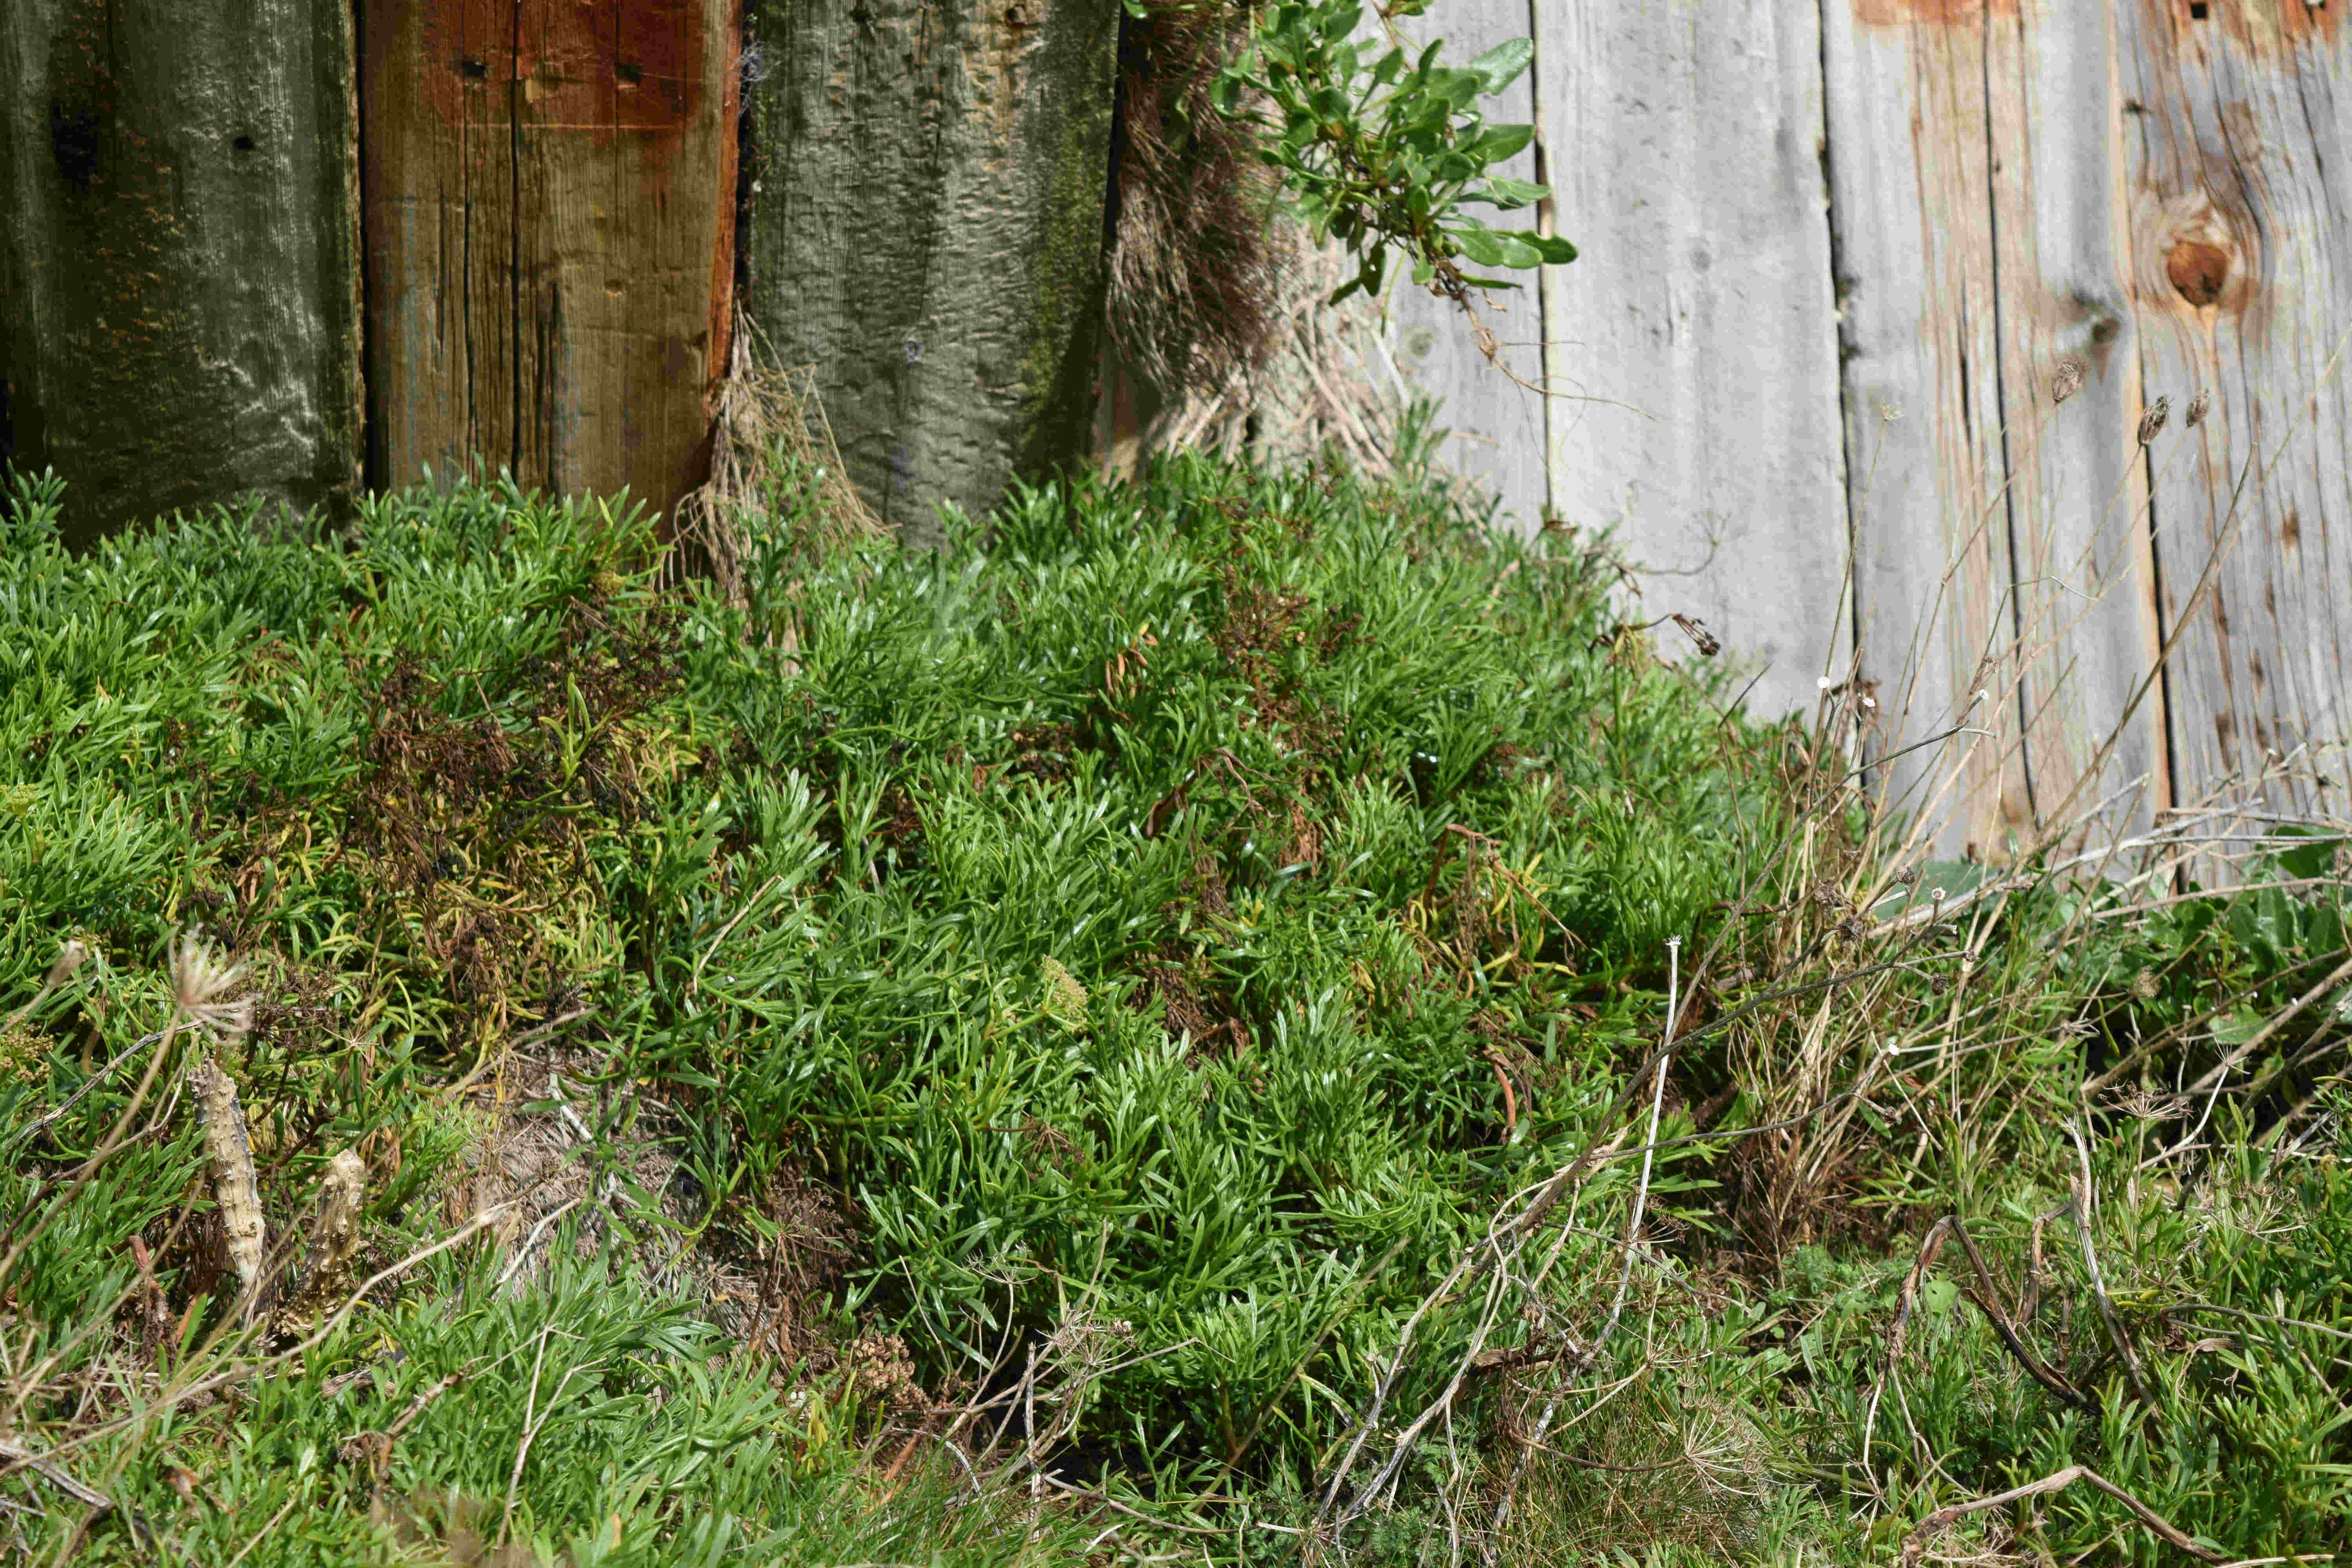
point(1501, 64)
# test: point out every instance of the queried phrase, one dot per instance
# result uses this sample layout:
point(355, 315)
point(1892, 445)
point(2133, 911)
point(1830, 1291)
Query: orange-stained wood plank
point(550, 191)
point(2084, 582)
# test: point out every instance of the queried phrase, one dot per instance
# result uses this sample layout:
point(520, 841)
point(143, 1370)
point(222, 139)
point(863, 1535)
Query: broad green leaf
point(1501, 64)
point(1501, 141)
point(1478, 245)
point(2312, 859)
point(1517, 252)
point(1508, 194)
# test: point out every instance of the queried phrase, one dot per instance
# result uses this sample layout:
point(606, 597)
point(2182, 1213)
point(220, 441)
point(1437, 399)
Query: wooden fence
point(1839, 257)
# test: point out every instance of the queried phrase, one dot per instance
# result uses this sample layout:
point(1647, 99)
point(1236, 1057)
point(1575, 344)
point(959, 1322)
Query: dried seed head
point(200, 984)
point(70, 957)
point(2066, 380)
point(2198, 407)
point(230, 1154)
point(1695, 629)
point(2144, 986)
point(2153, 420)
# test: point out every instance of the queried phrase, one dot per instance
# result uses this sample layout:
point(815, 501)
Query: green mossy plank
point(178, 253)
point(925, 229)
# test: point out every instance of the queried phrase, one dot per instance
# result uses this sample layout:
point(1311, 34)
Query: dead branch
point(230, 1154)
point(1987, 1300)
point(1916, 1544)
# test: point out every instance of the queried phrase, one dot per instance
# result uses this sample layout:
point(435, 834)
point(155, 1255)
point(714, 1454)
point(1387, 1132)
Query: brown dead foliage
point(1183, 989)
point(465, 826)
point(1193, 262)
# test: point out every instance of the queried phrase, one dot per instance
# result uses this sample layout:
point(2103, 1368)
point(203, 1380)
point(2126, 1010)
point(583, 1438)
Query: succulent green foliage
point(1168, 927)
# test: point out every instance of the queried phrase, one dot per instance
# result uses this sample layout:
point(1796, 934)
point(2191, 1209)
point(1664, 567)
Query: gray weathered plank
point(551, 222)
point(1699, 413)
point(1912, 210)
point(2076, 497)
point(1497, 423)
point(925, 231)
point(2238, 137)
point(178, 299)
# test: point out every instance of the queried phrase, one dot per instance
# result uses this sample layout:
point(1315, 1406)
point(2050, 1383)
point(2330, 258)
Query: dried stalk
point(334, 1233)
point(229, 1152)
point(1988, 1301)
point(1915, 1545)
point(2083, 1215)
point(1898, 1334)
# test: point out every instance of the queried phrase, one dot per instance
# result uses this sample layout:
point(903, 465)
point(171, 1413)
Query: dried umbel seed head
point(1695, 629)
point(2144, 986)
point(200, 983)
point(70, 957)
point(2198, 407)
point(2153, 420)
point(2066, 380)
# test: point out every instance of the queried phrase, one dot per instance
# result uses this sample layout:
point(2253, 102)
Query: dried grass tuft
point(770, 426)
point(1195, 269)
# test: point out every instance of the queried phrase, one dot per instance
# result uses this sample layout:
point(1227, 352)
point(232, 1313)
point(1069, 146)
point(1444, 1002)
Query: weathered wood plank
point(2076, 498)
point(436, 88)
point(2238, 137)
point(1497, 423)
point(551, 190)
point(925, 230)
point(1912, 210)
point(178, 311)
point(1698, 328)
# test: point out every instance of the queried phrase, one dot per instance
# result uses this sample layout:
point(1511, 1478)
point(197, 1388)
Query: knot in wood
point(2198, 271)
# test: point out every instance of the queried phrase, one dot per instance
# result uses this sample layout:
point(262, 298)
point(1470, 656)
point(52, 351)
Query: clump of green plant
point(1385, 149)
point(1246, 1012)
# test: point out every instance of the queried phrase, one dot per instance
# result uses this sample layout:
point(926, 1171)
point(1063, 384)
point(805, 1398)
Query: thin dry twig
point(41, 1465)
point(1914, 1544)
point(1987, 1300)
point(2085, 1212)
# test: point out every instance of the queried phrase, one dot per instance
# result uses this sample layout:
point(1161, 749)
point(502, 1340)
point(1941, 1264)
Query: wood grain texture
point(551, 189)
point(1701, 419)
point(2080, 555)
point(925, 230)
point(2237, 140)
point(1912, 209)
point(1497, 423)
point(178, 309)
